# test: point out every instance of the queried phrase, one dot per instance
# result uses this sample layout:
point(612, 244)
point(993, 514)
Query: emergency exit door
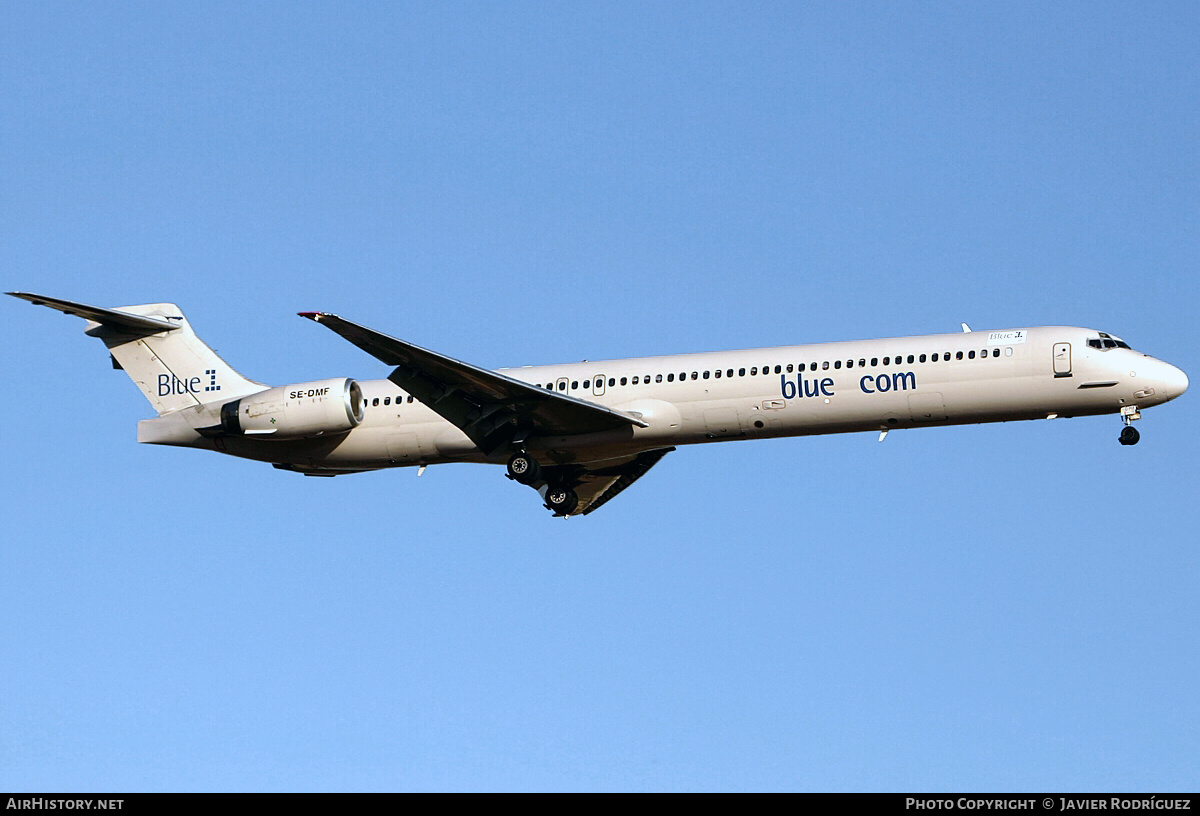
point(1062, 359)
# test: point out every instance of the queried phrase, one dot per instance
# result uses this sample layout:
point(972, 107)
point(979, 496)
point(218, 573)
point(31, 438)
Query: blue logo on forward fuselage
point(800, 388)
point(882, 383)
point(805, 388)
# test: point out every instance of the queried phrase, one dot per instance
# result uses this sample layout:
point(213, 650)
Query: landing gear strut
point(1129, 434)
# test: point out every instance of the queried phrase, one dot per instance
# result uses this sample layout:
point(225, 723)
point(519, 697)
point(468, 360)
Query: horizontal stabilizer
point(129, 323)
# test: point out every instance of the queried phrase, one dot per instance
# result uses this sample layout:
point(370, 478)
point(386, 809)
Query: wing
point(491, 409)
point(597, 485)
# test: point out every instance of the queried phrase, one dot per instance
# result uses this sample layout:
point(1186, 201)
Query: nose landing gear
point(1129, 434)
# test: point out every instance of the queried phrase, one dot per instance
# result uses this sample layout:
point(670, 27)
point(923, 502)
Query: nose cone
point(1175, 382)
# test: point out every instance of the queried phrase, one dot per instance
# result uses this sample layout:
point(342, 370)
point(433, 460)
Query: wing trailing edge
point(492, 409)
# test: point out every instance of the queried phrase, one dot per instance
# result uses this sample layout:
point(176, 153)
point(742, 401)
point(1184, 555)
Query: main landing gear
point(560, 499)
point(1129, 434)
point(523, 468)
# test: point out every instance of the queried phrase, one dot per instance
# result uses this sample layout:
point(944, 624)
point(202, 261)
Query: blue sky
point(1002, 607)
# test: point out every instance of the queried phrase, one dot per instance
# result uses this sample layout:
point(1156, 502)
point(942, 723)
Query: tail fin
point(155, 345)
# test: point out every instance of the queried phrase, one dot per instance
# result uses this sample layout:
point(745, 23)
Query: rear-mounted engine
point(296, 411)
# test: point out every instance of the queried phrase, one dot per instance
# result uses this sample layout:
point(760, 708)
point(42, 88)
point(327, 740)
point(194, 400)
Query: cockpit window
point(1106, 341)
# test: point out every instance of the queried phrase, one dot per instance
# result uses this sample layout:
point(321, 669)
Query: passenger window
point(635, 380)
point(825, 365)
point(754, 371)
point(789, 368)
point(958, 356)
point(971, 354)
point(658, 378)
point(410, 399)
point(375, 401)
point(741, 372)
point(695, 375)
point(886, 360)
point(837, 363)
point(706, 375)
point(670, 378)
point(875, 361)
point(910, 358)
point(717, 373)
point(612, 381)
point(387, 400)
point(996, 352)
point(574, 384)
point(920, 359)
point(778, 369)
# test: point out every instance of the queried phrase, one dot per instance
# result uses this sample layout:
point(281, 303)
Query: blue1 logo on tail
point(169, 384)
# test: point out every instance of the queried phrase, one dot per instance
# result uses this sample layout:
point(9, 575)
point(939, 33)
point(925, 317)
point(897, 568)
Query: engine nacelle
point(296, 411)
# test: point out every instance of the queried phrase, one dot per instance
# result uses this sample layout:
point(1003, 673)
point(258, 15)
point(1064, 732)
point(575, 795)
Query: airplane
point(580, 433)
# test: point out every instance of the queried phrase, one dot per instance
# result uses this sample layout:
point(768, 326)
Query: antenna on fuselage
point(966, 328)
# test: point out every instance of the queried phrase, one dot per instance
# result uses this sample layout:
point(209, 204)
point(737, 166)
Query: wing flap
point(596, 486)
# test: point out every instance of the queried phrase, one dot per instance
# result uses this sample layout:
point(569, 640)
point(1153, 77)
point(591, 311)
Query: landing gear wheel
point(1129, 435)
point(523, 468)
point(562, 500)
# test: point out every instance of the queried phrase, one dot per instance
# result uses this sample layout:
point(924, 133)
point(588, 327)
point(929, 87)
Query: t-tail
point(155, 345)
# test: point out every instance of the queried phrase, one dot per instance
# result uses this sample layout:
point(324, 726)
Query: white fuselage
point(862, 385)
